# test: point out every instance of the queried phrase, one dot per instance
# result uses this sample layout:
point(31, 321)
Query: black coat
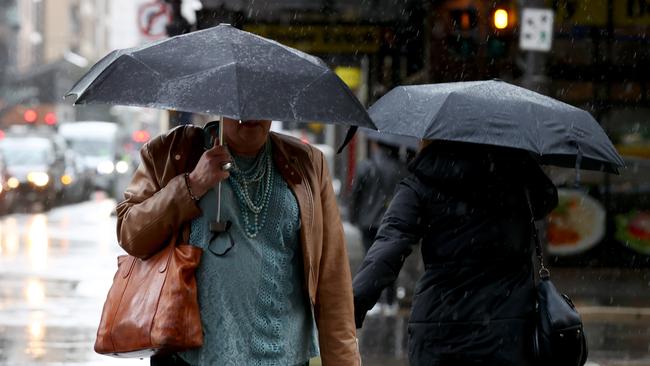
point(373, 187)
point(474, 303)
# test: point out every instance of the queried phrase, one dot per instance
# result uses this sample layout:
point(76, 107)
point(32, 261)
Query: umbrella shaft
point(219, 185)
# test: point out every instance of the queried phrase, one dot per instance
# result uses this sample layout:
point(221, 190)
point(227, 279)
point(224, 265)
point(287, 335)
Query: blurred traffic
point(63, 168)
point(42, 167)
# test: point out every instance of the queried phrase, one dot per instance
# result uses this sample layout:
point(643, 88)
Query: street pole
point(534, 77)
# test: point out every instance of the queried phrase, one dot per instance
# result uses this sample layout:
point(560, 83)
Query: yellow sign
point(594, 12)
point(329, 39)
point(351, 76)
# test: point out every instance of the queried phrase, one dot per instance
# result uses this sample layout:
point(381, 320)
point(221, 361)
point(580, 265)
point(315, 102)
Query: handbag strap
point(544, 273)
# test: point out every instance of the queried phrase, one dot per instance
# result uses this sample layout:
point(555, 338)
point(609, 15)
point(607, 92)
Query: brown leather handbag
point(152, 306)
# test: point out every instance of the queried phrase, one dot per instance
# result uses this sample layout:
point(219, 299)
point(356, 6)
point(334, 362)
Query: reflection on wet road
point(55, 269)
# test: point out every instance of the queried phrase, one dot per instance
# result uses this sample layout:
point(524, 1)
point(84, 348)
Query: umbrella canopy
point(497, 113)
point(223, 71)
point(392, 139)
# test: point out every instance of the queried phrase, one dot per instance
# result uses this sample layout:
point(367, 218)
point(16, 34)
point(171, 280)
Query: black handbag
point(558, 335)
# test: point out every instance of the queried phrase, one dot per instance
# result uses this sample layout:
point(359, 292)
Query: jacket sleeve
point(151, 214)
point(400, 229)
point(333, 309)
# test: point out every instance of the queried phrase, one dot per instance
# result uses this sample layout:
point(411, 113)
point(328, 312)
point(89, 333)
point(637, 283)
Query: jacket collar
point(285, 160)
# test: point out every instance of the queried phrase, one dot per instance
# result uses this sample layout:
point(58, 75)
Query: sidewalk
point(614, 304)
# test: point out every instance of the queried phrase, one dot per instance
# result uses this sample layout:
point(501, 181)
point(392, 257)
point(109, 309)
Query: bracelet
point(189, 188)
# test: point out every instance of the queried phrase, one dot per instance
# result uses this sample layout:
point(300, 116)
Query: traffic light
point(500, 18)
point(461, 40)
point(501, 34)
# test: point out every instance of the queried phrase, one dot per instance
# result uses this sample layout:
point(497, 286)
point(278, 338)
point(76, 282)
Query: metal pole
point(219, 184)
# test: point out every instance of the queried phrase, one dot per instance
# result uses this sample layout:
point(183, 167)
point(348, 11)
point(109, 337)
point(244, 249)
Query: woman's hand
point(208, 171)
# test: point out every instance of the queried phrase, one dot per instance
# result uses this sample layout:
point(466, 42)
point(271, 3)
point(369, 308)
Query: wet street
point(55, 270)
point(56, 267)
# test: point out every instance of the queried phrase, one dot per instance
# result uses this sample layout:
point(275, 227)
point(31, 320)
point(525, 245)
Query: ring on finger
point(226, 166)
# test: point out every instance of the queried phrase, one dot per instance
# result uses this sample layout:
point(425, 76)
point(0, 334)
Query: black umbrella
point(392, 139)
point(227, 72)
point(223, 71)
point(497, 113)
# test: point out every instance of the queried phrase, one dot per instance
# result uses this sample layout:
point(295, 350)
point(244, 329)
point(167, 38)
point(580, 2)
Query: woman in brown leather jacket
point(275, 289)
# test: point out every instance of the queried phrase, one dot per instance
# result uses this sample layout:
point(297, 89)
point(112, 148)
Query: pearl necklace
point(256, 204)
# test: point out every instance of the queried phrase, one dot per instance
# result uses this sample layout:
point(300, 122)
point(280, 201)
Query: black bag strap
point(544, 273)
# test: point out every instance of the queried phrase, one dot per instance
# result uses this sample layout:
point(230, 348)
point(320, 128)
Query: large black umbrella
point(223, 71)
point(227, 72)
point(497, 113)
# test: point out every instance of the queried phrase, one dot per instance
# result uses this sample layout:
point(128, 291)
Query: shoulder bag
point(152, 305)
point(558, 336)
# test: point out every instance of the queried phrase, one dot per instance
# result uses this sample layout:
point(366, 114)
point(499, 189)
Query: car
point(6, 194)
point(99, 145)
point(35, 167)
point(77, 181)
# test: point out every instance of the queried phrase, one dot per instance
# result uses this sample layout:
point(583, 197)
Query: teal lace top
point(254, 309)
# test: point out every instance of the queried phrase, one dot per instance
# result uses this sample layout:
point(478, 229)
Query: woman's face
point(247, 137)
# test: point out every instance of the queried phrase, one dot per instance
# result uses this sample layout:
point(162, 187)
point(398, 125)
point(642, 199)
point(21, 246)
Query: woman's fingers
point(208, 171)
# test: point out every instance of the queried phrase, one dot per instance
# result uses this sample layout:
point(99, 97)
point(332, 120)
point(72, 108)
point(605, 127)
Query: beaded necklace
point(252, 193)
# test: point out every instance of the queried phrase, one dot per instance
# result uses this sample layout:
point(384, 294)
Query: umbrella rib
point(433, 114)
point(297, 94)
point(156, 73)
point(240, 105)
point(211, 69)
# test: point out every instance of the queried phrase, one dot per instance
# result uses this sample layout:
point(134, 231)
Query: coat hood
point(488, 171)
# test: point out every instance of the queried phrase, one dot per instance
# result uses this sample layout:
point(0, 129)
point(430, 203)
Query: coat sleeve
point(400, 229)
point(333, 308)
point(152, 213)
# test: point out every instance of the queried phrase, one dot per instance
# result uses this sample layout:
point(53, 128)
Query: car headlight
point(66, 179)
point(122, 167)
point(105, 167)
point(39, 179)
point(13, 182)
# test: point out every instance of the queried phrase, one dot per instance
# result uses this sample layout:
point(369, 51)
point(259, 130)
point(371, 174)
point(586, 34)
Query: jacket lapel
point(298, 182)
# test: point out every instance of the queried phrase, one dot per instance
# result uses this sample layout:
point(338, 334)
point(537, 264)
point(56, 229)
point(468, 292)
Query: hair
point(423, 144)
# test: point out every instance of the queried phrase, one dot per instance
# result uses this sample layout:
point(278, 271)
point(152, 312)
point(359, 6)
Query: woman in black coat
point(466, 204)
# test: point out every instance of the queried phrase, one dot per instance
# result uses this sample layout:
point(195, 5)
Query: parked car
point(35, 167)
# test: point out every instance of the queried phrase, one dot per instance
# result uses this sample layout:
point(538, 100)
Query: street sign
point(153, 18)
point(536, 29)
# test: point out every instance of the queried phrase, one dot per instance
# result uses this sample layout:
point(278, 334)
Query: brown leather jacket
point(157, 210)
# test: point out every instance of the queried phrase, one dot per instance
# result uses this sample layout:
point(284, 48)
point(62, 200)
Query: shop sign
point(351, 76)
point(323, 39)
point(594, 12)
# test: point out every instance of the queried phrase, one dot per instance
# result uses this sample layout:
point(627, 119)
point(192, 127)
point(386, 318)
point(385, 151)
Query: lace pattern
point(254, 308)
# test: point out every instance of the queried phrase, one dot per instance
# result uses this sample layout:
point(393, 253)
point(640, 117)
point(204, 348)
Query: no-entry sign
point(153, 18)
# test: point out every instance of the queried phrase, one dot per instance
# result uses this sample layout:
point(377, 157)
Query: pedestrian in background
point(467, 205)
point(372, 190)
point(276, 286)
